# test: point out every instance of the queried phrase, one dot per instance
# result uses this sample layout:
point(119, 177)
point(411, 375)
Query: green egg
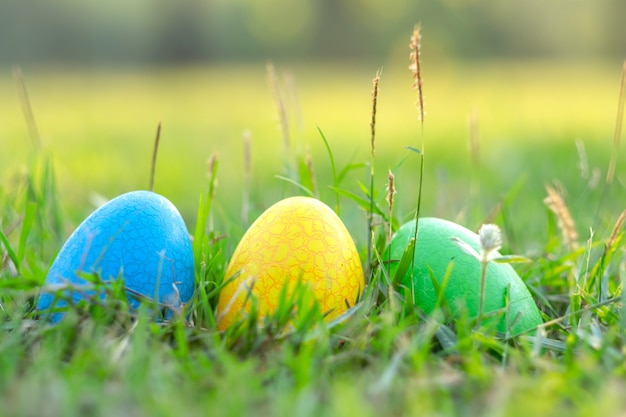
point(435, 250)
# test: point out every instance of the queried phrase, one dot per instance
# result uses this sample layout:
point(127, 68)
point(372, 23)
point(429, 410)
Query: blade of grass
point(27, 225)
point(7, 246)
point(364, 203)
point(405, 262)
point(296, 184)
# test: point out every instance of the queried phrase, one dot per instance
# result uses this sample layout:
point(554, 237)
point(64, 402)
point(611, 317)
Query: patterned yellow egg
point(298, 238)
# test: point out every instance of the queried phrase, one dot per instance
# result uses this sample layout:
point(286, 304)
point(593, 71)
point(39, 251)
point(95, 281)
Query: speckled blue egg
point(139, 237)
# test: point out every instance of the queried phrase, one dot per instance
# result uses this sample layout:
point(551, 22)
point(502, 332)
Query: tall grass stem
point(416, 70)
point(370, 214)
point(155, 151)
point(282, 116)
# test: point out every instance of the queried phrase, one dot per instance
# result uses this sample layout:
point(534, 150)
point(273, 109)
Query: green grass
point(388, 358)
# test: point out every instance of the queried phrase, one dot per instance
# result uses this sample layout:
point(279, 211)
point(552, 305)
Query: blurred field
point(99, 126)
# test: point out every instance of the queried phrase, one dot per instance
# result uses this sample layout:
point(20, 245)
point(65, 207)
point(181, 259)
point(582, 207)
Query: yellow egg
point(298, 238)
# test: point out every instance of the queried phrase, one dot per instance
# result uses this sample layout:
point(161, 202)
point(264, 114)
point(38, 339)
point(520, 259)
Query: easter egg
point(139, 237)
point(298, 238)
point(435, 251)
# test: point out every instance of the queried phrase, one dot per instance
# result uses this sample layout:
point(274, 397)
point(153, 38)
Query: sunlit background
point(148, 32)
point(537, 78)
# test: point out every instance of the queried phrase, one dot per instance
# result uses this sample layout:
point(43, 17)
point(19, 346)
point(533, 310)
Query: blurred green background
point(159, 31)
point(540, 80)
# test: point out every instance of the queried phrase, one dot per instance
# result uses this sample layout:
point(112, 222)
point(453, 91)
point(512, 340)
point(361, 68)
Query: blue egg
point(139, 237)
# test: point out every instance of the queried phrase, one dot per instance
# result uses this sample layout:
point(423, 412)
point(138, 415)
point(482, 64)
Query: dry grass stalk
point(370, 216)
point(583, 160)
point(391, 190)
point(554, 201)
point(291, 92)
point(416, 70)
point(618, 127)
point(616, 229)
point(280, 106)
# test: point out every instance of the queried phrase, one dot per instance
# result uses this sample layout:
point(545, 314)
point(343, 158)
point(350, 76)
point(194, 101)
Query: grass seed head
point(391, 190)
point(416, 70)
point(616, 229)
point(211, 164)
point(490, 238)
point(555, 202)
point(375, 83)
